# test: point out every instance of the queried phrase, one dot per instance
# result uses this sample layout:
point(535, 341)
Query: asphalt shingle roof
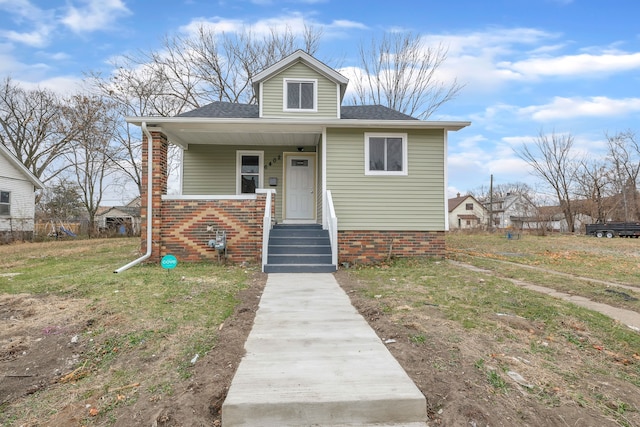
point(231, 110)
point(372, 112)
point(226, 110)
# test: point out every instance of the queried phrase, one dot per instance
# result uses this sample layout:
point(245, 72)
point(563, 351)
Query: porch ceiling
point(241, 134)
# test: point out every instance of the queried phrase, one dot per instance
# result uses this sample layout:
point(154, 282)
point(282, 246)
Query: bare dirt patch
point(37, 345)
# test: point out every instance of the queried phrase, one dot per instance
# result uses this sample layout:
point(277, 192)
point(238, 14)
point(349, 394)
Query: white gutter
point(149, 201)
point(310, 125)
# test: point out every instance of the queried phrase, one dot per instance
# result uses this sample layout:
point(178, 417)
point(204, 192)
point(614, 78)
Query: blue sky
point(528, 66)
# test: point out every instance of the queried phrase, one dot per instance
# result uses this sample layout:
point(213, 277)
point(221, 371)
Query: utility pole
point(490, 224)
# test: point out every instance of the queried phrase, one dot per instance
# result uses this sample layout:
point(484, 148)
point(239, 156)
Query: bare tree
point(400, 72)
point(192, 70)
point(594, 186)
point(502, 190)
point(34, 128)
point(61, 201)
point(188, 72)
point(624, 155)
point(92, 151)
point(227, 62)
point(553, 160)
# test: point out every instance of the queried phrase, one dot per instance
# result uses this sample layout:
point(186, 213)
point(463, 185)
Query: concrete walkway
point(312, 360)
point(624, 316)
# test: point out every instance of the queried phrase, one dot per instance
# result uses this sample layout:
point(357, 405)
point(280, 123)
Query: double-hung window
point(300, 95)
point(385, 154)
point(249, 165)
point(5, 203)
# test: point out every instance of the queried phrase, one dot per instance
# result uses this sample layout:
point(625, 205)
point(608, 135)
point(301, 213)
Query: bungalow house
point(123, 220)
point(265, 182)
point(465, 212)
point(17, 198)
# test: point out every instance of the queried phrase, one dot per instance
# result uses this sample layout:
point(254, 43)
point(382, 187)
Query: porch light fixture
point(300, 149)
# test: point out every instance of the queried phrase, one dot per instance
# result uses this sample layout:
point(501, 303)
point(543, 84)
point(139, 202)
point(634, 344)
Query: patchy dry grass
point(140, 328)
point(569, 355)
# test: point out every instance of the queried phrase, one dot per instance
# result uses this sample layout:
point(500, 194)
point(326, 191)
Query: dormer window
point(300, 95)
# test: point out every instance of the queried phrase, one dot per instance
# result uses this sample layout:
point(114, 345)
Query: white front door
point(300, 197)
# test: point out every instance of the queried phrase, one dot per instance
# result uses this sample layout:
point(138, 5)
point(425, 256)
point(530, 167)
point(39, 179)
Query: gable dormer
point(300, 86)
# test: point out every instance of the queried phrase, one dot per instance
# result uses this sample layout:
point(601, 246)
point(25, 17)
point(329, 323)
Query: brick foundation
point(186, 223)
point(369, 247)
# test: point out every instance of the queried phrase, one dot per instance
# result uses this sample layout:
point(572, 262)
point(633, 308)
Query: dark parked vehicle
point(613, 229)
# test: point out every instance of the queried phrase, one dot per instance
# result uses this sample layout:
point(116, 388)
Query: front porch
point(241, 209)
point(184, 224)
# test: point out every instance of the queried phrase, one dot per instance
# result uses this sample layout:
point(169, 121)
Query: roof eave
point(348, 123)
point(15, 162)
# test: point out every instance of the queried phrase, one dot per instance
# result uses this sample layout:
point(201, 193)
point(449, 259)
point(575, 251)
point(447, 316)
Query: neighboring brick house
point(17, 198)
point(372, 177)
point(465, 212)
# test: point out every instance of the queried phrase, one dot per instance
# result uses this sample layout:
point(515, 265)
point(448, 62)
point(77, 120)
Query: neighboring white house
point(552, 219)
point(466, 212)
point(514, 210)
point(17, 198)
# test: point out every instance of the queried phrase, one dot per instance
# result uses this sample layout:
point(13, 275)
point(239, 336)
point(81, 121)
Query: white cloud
point(94, 15)
point(10, 66)
point(36, 38)
point(63, 85)
point(26, 15)
point(574, 65)
point(473, 57)
point(346, 24)
point(295, 22)
point(20, 8)
point(567, 108)
point(488, 60)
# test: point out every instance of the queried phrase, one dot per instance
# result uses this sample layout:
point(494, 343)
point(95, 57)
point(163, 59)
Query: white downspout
point(149, 202)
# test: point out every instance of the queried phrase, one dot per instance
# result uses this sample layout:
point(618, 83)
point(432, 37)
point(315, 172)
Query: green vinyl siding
point(211, 169)
point(273, 92)
point(412, 202)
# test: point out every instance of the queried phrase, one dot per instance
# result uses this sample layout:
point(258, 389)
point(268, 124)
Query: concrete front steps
point(312, 360)
point(299, 248)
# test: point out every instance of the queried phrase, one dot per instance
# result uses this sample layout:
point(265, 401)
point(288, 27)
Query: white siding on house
point(8, 170)
point(457, 220)
point(273, 93)
point(414, 202)
point(22, 198)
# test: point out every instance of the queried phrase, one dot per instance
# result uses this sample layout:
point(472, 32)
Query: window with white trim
point(385, 154)
point(300, 95)
point(5, 203)
point(249, 166)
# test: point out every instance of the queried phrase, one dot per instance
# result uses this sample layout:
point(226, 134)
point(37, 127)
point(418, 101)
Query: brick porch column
point(159, 187)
